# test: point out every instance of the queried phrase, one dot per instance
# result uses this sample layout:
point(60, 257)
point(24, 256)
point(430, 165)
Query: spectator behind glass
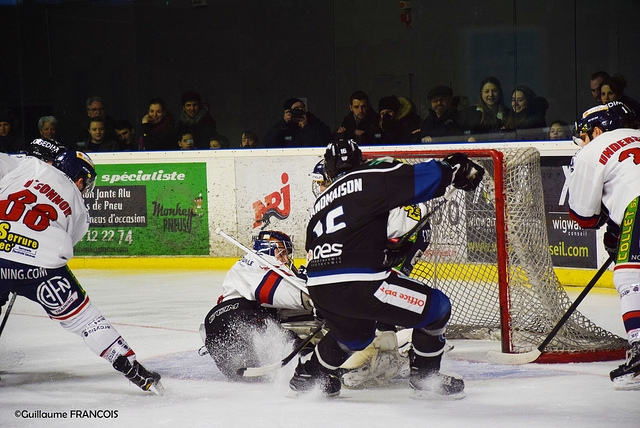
point(126, 135)
point(186, 141)
point(594, 84)
point(399, 123)
point(362, 123)
point(527, 113)
point(158, 128)
point(47, 126)
point(442, 118)
point(97, 109)
point(249, 140)
point(219, 142)
point(612, 89)
point(488, 115)
point(98, 141)
point(559, 130)
point(10, 138)
point(195, 119)
point(297, 128)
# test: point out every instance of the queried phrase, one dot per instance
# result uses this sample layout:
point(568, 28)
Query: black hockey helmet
point(44, 149)
point(76, 164)
point(341, 156)
point(609, 116)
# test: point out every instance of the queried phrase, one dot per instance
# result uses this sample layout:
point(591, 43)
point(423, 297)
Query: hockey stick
point(529, 357)
point(263, 370)
point(8, 311)
point(289, 278)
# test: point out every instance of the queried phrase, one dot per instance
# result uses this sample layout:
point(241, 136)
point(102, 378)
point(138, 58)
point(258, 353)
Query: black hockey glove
point(611, 239)
point(301, 273)
point(396, 252)
point(467, 174)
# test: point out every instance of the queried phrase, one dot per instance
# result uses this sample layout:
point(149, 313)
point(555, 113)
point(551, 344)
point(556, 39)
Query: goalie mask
point(77, 165)
point(319, 179)
point(607, 117)
point(276, 244)
point(341, 157)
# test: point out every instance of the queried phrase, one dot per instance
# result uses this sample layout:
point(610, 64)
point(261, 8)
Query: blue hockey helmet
point(341, 156)
point(273, 242)
point(44, 149)
point(75, 165)
point(607, 117)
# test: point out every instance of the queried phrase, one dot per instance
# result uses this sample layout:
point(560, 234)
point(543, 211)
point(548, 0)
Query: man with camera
point(298, 128)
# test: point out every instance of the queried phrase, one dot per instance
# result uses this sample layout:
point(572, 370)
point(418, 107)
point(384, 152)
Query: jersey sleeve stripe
point(267, 288)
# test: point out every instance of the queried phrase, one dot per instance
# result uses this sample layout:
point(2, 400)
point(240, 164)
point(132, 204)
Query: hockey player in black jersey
point(348, 280)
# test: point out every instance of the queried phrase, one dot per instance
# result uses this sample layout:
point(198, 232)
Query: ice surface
point(44, 369)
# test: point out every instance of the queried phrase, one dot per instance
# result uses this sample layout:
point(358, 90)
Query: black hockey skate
point(625, 377)
point(310, 374)
point(137, 374)
point(427, 381)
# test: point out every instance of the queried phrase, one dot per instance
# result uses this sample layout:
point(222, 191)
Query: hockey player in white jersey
point(604, 188)
point(353, 289)
point(255, 299)
point(42, 216)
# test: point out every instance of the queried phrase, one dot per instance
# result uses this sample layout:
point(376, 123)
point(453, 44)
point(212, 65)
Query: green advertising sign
point(147, 210)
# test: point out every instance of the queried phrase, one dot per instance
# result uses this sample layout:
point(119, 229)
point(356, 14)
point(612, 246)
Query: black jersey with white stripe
point(347, 234)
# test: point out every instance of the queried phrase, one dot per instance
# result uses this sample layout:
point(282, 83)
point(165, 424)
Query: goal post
point(489, 253)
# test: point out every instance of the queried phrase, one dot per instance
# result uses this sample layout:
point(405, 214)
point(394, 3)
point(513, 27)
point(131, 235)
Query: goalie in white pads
point(42, 216)
point(604, 189)
point(254, 298)
point(350, 285)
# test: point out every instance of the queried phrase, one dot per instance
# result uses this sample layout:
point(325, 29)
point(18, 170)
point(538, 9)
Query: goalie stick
point(263, 370)
point(298, 283)
point(8, 311)
point(529, 357)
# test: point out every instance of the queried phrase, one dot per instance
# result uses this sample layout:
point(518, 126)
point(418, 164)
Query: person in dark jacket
point(362, 122)
point(298, 128)
point(442, 120)
point(196, 120)
point(158, 128)
point(399, 122)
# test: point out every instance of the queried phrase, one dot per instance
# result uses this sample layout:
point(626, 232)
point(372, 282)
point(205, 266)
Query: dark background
point(246, 57)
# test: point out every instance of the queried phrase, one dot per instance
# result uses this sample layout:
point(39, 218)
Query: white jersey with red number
point(42, 213)
point(252, 280)
point(607, 171)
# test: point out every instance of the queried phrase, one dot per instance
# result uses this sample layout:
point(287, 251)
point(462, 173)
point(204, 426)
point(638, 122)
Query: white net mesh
point(464, 261)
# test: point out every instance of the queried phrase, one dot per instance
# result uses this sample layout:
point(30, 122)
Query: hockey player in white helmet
point(44, 216)
point(351, 286)
point(604, 189)
point(254, 299)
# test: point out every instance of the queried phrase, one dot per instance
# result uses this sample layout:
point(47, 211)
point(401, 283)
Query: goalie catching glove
point(465, 174)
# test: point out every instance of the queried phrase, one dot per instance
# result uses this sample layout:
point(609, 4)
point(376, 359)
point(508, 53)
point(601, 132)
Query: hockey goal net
point(489, 253)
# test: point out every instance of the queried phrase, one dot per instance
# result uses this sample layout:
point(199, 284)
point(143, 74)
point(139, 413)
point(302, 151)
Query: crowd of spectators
point(450, 117)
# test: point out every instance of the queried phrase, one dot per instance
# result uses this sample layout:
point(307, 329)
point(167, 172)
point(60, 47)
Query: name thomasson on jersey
point(342, 189)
